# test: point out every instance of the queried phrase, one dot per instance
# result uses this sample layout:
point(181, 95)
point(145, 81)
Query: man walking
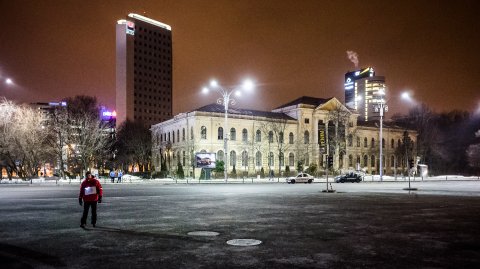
point(91, 192)
point(112, 176)
point(120, 174)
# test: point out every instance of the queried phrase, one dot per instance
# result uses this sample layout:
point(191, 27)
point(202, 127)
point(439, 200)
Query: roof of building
point(308, 100)
point(234, 111)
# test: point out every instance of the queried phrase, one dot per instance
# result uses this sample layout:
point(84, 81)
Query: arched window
point(373, 143)
point(220, 155)
point(350, 140)
point(258, 158)
point(220, 133)
point(173, 136)
point(244, 158)
point(270, 137)
point(233, 134)
point(203, 132)
point(372, 161)
point(365, 160)
point(350, 160)
point(383, 143)
point(233, 158)
point(392, 144)
point(280, 137)
point(191, 133)
point(178, 135)
point(392, 161)
point(271, 162)
point(183, 134)
point(290, 138)
point(358, 141)
point(398, 143)
point(244, 135)
point(258, 136)
point(169, 137)
point(281, 158)
point(183, 157)
point(357, 163)
point(291, 159)
point(306, 137)
point(365, 142)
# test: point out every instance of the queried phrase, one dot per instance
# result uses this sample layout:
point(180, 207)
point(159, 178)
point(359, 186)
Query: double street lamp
point(226, 99)
point(381, 107)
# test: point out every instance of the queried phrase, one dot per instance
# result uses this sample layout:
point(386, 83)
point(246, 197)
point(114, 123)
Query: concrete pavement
point(151, 225)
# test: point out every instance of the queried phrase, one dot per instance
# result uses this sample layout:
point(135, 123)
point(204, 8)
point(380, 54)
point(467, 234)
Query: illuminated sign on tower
point(360, 85)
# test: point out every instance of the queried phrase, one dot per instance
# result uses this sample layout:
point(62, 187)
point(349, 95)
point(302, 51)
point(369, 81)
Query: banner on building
point(205, 160)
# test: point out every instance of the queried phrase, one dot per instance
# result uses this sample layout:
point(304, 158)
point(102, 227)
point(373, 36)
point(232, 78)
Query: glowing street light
point(226, 100)
point(9, 81)
point(381, 107)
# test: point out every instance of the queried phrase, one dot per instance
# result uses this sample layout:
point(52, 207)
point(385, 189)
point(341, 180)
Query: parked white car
point(300, 178)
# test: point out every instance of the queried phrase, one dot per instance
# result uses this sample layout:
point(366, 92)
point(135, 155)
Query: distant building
point(143, 70)
point(361, 88)
point(304, 130)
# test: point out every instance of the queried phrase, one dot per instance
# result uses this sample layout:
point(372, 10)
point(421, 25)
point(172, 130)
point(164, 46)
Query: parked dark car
point(349, 177)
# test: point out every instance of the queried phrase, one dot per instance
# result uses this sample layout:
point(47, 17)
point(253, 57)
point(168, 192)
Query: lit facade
point(305, 130)
point(143, 70)
point(361, 88)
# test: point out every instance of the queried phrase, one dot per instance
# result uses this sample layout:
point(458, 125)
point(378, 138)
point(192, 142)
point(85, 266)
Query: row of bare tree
point(73, 138)
point(448, 142)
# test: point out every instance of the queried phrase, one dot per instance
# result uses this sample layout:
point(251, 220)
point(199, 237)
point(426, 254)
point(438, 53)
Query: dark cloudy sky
point(58, 48)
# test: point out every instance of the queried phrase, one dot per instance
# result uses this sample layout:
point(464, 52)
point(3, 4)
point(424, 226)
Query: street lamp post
point(226, 100)
point(381, 107)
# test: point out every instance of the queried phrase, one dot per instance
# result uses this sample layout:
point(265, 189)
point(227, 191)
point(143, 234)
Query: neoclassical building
point(305, 130)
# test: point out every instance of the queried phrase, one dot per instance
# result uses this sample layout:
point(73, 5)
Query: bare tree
point(339, 117)
point(134, 145)
point(23, 145)
point(7, 110)
point(275, 132)
point(89, 138)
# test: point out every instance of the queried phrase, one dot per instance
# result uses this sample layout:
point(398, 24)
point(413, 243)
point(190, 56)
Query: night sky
point(54, 49)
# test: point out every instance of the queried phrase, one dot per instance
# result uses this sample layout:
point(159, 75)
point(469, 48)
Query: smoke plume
point(353, 57)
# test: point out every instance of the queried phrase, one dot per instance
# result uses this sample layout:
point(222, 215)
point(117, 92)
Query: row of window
point(150, 32)
point(291, 159)
point(372, 142)
point(145, 67)
point(258, 135)
point(393, 162)
point(272, 138)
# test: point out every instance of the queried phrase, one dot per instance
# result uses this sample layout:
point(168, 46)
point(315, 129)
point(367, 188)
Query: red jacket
point(90, 190)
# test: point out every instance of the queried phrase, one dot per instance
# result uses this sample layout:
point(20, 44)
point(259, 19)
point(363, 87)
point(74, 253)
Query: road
point(366, 225)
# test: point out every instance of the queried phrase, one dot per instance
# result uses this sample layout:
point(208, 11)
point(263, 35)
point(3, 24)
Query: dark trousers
point(113, 179)
point(86, 207)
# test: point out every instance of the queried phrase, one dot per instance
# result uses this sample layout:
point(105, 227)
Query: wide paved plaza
point(365, 225)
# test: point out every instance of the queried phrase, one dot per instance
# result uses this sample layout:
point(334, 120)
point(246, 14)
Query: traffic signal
point(410, 163)
point(330, 161)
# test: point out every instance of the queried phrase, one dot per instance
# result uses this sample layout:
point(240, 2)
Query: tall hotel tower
point(143, 70)
point(361, 90)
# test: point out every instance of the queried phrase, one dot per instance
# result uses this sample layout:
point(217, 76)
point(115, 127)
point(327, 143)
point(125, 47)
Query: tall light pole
point(381, 107)
point(227, 100)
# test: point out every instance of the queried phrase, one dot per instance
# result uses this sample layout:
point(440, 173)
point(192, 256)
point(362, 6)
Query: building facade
point(305, 130)
point(143, 70)
point(362, 89)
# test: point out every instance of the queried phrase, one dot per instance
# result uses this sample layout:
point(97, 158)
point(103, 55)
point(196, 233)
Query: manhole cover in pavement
point(203, 233)
point(244, 242)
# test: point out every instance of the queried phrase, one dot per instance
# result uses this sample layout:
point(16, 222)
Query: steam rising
point(353, 57)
